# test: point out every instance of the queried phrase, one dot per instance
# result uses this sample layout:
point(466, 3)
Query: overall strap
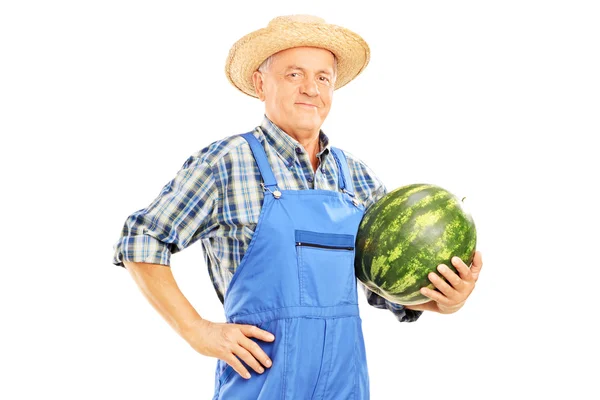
point(261, 159)
point(345, 180)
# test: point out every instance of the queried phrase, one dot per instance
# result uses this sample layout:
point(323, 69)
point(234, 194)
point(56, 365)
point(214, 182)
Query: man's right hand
point(229, 341)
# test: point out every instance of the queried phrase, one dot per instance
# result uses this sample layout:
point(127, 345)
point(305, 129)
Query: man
point(277, 210)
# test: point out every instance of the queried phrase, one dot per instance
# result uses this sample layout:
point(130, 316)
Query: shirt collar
point(285, 145)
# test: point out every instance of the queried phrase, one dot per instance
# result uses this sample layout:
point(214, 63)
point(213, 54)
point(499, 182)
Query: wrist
point(442, 309)
point(190, 330)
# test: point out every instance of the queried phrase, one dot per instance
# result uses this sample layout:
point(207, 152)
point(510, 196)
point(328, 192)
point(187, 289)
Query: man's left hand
point(451, 297)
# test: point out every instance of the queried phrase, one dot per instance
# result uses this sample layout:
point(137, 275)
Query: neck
point(311, 144)
point(312, 147)
point(309, 139)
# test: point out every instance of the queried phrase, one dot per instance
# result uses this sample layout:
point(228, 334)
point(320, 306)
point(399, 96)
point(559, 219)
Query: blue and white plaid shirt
point(216, 198)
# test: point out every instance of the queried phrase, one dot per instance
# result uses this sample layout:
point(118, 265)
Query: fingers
point(255, 354)
point(237, 365)
point(249, 351)
point(441, 284)
point(451, 295)
point(252, 346)
point(231, 343)
point(476, 265)
point(247, 357)
point(461, 267)
point(435, 296)
point(451, 276)
point(455, 290)
point(254, 331)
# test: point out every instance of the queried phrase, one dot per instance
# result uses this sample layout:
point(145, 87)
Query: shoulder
point(222, 149)
point(361, 173)
point(367, 186)
point(221, 153)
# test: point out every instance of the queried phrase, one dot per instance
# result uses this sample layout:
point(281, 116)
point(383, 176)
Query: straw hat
point(285, 32)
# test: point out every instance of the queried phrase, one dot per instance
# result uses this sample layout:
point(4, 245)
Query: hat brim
point(246, 55)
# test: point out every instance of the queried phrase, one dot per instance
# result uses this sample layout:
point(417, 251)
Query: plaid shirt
point(216, 198)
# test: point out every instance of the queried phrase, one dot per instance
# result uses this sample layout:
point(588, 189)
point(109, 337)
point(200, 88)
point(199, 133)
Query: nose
point(309, 87)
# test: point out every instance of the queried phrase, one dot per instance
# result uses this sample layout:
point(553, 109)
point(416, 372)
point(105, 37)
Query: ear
point(257, 79)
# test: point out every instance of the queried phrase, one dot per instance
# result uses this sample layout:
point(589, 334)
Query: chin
point(309, 123)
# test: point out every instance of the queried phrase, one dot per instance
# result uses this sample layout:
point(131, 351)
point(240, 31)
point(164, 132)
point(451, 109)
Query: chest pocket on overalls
point(325, 268)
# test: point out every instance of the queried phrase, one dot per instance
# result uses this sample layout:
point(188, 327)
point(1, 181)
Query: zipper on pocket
point(322, 246)
point(324, 240)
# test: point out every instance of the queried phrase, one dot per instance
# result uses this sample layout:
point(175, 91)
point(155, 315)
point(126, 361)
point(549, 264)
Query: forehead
point(304, 57)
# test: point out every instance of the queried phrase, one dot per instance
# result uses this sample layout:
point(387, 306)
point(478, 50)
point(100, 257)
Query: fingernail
point(271, 337)
point(268, 363)
point(247, 376)
point(441, 267)
point(261, 370)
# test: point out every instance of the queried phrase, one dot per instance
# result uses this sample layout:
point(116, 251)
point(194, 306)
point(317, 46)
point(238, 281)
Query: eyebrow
point(303, 69)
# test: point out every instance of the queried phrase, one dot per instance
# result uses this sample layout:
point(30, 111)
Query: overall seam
point(323, 360)
point(356, 369)
point(312, 396)
point(282, 308)
point(285, 355)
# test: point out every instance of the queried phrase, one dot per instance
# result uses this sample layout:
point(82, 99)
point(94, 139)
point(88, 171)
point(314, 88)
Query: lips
point(306, 105)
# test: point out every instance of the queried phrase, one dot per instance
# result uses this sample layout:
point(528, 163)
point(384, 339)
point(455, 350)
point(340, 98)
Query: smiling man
point(298, 112)
point(277, 211)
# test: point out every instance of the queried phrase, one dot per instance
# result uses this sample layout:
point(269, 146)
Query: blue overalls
point(297, 281)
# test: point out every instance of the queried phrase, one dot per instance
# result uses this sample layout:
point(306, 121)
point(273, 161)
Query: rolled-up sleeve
point(401, 313)
point(182, 213)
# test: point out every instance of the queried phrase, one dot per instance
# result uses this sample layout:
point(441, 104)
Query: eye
point(324, 80)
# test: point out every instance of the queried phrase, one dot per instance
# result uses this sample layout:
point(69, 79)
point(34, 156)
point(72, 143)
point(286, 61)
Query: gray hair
point(267, 64)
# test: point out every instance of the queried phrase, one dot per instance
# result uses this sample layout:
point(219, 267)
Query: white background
point(102, 102)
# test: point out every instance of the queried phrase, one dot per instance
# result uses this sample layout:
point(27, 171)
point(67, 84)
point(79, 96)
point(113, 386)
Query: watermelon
point(405, 235)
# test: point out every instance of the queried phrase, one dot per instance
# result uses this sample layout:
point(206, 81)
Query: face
point(297, 89)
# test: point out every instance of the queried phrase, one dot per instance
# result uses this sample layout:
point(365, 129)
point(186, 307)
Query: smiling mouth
point(306, 105)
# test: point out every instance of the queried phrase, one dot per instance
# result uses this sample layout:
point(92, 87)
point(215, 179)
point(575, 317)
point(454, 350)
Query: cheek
point(327, 102)
point(287, 98)
point(327, 97)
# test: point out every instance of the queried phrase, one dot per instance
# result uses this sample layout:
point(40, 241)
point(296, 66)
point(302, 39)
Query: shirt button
point(298, 150)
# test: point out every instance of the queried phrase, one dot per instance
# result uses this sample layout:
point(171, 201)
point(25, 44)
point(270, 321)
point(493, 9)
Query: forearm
point(435, 307)
point(429, 306)
point(158, 285)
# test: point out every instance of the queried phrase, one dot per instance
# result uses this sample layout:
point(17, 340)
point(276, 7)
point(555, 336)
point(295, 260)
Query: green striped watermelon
point(406, 235)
